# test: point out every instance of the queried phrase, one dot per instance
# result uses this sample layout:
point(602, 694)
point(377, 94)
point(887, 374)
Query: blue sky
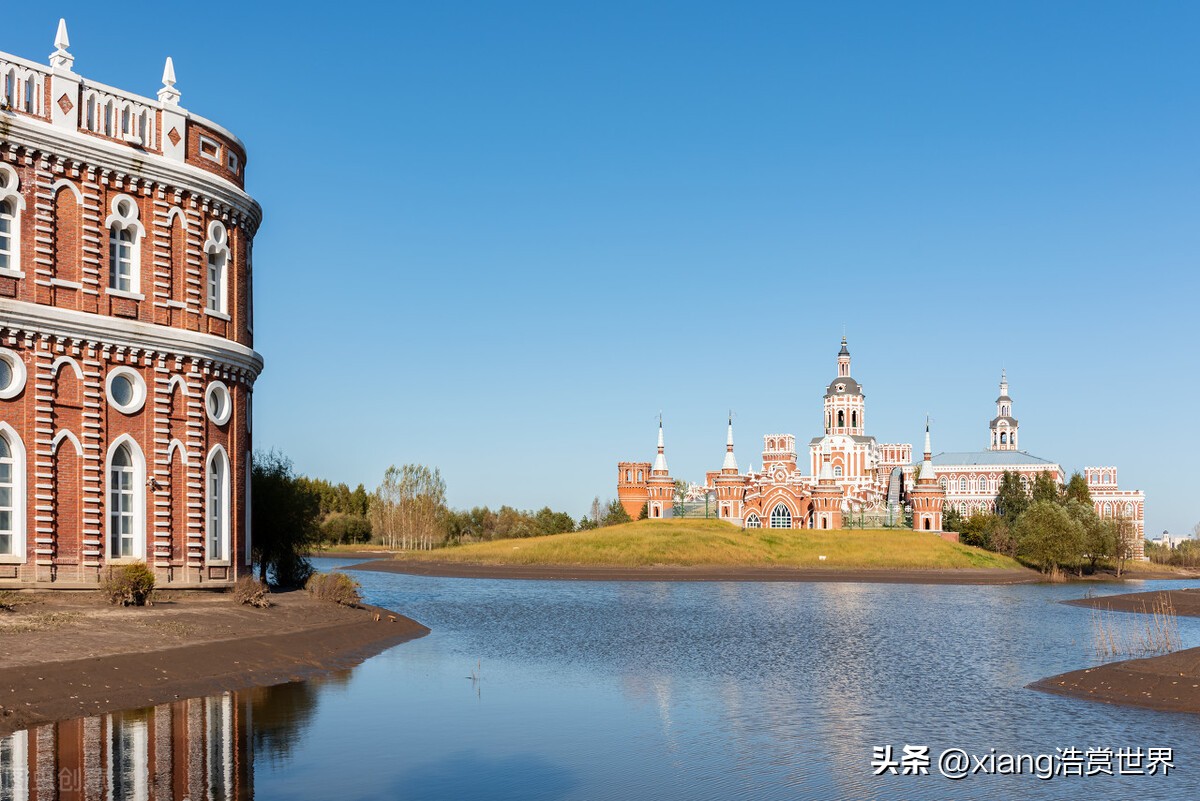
point(500, 237)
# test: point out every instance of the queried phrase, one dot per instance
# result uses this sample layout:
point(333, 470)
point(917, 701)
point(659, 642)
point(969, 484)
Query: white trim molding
point(136, 403)
point(17, 365)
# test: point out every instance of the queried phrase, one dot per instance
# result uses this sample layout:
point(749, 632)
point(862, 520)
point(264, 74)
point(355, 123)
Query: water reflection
point(194, 749)
point(629, 691)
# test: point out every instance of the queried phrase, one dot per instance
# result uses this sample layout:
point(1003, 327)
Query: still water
point(589, 690)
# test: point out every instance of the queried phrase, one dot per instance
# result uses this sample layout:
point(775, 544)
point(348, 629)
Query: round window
point(218, 403)
point(126, 390)
point(12, 374)
point(122, 390)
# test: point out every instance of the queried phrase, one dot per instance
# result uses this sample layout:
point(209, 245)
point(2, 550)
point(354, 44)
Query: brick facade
point(80, 162)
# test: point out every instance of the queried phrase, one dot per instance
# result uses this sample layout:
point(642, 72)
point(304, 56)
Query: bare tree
point(407, 508)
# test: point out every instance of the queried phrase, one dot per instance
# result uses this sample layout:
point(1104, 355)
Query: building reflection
point(194, 749)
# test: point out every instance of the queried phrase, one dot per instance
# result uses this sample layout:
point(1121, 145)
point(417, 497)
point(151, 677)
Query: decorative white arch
point(17, 554)
point(174, 212)
point(176, 445)
point(63, 182)
point(67, 435)
point(61, 360)
point(177, 380)
point(139, 498)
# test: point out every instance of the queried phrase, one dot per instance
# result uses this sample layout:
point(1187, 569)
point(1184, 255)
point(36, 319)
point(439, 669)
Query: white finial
point(60, 58)
point(660, 460)
point(168, 93)
point(730, 462)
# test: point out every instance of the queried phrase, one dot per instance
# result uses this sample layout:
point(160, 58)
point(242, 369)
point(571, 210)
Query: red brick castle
point(126, 332)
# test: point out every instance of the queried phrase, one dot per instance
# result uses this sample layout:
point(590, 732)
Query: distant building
point(1172, 541)
point(852, 476)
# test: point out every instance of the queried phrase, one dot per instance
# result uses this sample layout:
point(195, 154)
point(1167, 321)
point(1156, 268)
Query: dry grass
point(38, 621)
point(713, 543)
point(1154, 630)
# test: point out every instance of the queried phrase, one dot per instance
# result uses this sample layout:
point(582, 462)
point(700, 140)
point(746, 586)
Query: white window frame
point(124, 218)
point(218, 388)
point(216, 270)
point(138, 527)
point(16, 553)
point(786, 511)
point(211, 143)
point(139, 389)
point(17, 365)
point(753, 521)
point(216, 509)
point(9, 186)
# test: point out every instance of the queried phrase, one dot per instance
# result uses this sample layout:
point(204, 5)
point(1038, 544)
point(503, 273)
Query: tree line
point(293, 515)
point(1052, 528)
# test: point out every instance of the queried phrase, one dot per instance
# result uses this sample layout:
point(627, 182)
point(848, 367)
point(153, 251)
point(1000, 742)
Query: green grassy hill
point(696, 543)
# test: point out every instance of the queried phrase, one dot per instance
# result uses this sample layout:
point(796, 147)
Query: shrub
point(249, 591)
point(336, 587)
point(129, 585)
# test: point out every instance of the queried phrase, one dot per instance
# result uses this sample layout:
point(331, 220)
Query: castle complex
point(126, 332)
point(854, 478)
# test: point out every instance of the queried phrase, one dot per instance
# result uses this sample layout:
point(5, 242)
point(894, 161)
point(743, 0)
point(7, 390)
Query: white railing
point(22, 87)
point(118, 116)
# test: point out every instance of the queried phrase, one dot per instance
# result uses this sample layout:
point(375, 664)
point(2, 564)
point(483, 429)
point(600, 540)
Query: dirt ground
point(1169, 682)
point(70, 654)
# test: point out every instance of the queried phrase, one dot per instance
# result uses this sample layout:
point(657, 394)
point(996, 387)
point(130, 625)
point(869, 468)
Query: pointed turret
point(660, 461)
point(927, 463)
point(927, 497)
point(730, 463)
point(168, 93)
point(1004, 426)
point(60, 58)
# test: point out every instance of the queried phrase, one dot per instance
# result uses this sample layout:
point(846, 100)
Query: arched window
point(1107, 510)
point(627, 479)
point(8, 499)
point(8, 224)
point(120, 501)
point(218, 506)
point(1025, 484)
point(1003, 438)
point(837, 471)
point(11, 204)
point(962, 485)
point(124, 236)
point(942, 481)
point(854, 419)
point(752, 521)
point(126, 501)
point(640, 475)
point(841, 419)
point(928, 524)
point(217, 250)
point(781, 517)
point(1004, 410)
point(1129, 510)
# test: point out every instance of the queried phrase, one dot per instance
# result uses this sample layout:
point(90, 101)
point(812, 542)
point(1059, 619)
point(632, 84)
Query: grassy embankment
point(695, 543)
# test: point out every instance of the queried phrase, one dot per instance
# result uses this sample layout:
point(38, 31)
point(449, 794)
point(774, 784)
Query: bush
point(249, 591)
point(129, 585)
point(336, 587)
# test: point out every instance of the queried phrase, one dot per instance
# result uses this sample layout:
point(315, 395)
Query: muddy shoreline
point(1170, 682)
point(671, 573)
point(63, 658)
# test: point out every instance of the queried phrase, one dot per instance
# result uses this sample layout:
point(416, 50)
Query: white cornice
point(51, 321)
point(39, 134)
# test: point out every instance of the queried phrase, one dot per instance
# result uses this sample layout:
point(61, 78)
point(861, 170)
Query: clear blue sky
point(500, 237)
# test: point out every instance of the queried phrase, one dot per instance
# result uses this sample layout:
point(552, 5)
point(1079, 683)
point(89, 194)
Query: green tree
point(615, 514)
point(1099, 536)
point(951, 519)
point(1077, 490)
point(284, 519)
point(1048, 538)
point(1045, 488)
point(1011, 499)
point(644, 514)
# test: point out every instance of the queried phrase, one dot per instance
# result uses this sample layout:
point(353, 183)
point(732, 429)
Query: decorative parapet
point(158, 127)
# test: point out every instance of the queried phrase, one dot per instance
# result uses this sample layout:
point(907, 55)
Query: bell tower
point(845, 406)
point(1004, 425)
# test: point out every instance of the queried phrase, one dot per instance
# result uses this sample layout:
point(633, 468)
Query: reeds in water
point(1155, 630)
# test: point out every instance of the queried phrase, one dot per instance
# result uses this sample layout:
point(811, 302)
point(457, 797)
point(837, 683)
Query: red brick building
point(126, 332)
